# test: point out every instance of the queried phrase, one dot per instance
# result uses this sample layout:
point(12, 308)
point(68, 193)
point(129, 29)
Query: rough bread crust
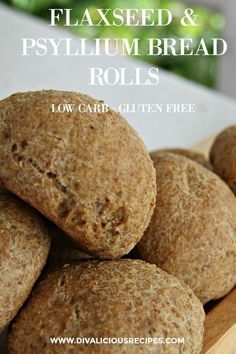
point(124, 298)
point(192, 231)
point(24, 246)
point(89, 173)
point(192, 155)
point(223, 156)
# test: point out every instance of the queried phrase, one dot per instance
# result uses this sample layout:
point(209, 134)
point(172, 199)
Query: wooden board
point(220, 324)
point(220, 327)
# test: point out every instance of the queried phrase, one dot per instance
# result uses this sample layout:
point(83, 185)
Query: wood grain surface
point(220, 327)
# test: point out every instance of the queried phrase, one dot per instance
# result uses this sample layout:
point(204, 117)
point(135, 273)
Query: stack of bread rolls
point(79, 192)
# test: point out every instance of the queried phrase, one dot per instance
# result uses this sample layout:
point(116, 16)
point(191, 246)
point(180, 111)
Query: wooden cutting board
point(220, 324)
point(220, 327)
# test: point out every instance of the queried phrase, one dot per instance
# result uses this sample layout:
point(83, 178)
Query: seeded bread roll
point(24, 246)
point(223, 156)
point(192, 155)
point(121, 299)
point(192, 231)
point(89, 173)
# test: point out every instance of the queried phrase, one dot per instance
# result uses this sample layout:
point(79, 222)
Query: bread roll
point(113, 299)
point(190, 154)
point(223, 156)
point(24, 246)
point(89, 173)
point(192, 231)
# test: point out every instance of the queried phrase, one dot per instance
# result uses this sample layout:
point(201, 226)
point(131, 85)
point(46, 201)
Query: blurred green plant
point(202, 69)
point(34, 6)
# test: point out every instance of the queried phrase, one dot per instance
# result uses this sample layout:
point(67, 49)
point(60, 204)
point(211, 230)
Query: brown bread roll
point(24, 246)
point(190, 154)
point(192, 231)
point(121, 299)
point(223, 156)
point(89, 173)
